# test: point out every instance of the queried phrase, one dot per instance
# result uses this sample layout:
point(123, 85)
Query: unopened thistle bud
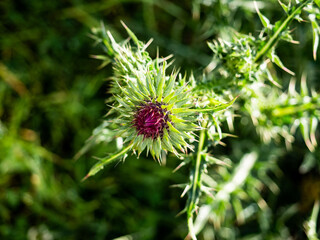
point(150, 112)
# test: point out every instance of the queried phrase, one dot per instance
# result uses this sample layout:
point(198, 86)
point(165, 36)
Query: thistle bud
point(146, 112)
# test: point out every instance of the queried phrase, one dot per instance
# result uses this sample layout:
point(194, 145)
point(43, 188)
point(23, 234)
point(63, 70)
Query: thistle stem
point(272, 41)
point(198, 160)
point(196, 181)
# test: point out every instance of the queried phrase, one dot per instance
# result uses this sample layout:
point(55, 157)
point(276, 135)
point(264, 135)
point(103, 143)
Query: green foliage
point(243, 130)
point(140, 82)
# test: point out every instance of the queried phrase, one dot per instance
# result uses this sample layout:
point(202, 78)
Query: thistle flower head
point(153, 111)
point(149, 111)
point(150, 120)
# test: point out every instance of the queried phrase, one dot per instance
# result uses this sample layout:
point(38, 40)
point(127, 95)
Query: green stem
point(196, 181)
point(191, 228)
point(282, 27)
point(198, 160)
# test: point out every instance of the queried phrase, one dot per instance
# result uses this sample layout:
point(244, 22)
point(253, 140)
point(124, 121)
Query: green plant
point(160, 112)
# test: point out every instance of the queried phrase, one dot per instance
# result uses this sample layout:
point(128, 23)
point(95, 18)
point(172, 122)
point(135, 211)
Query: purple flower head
point(150, 120)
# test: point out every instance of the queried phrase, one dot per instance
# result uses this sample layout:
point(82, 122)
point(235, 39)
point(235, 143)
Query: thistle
point(152, 111)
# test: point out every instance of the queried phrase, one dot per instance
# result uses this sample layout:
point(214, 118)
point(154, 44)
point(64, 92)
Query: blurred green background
point(52, 95)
